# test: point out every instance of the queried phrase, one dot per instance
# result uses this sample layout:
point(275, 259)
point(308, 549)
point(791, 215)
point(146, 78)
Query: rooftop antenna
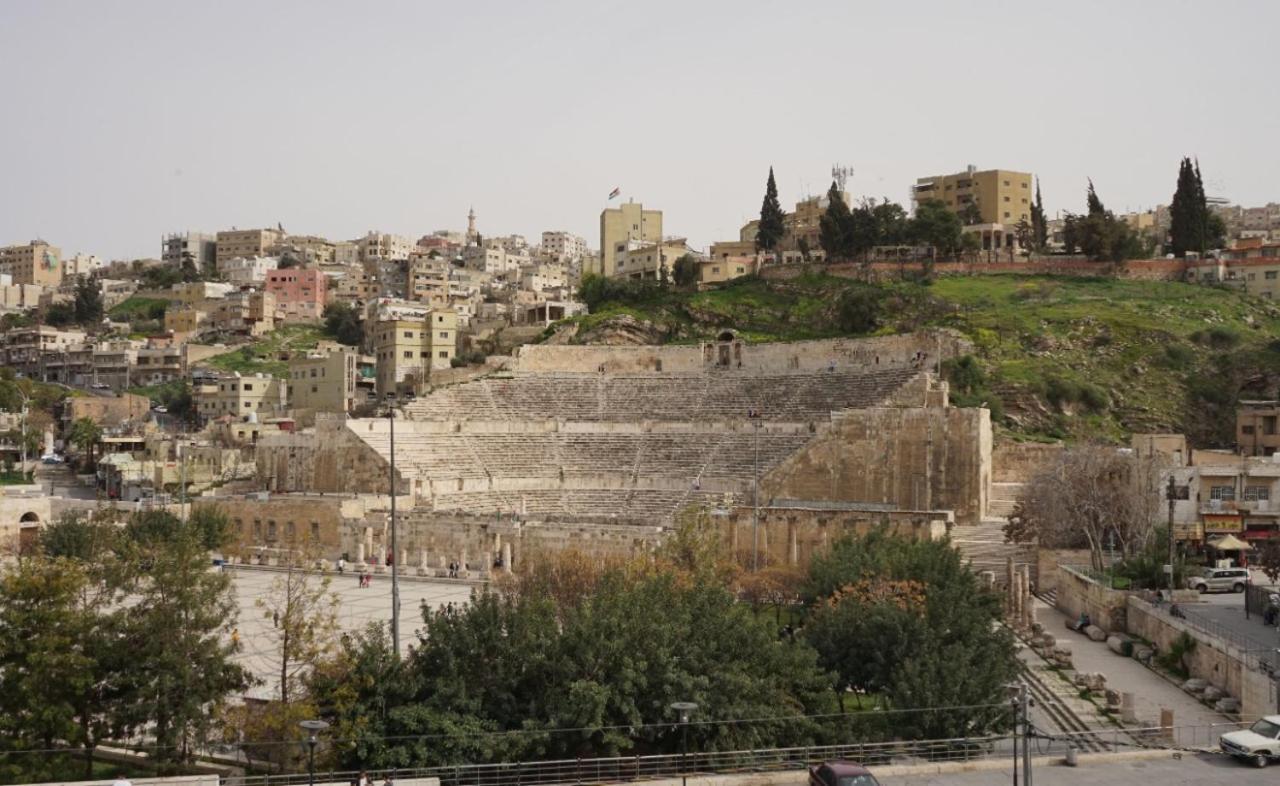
point(841, 175)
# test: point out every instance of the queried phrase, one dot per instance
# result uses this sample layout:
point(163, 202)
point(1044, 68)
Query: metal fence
point(1261, 654)
point(623, 769)
point(1257, 598)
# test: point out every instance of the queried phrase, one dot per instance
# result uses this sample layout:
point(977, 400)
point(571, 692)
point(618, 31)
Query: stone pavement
point(1191, 770)
point(357, 607)
point(1151, 692)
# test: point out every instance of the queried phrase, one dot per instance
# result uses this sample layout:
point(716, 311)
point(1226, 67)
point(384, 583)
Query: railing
point(623, 769)
point(1259, 654)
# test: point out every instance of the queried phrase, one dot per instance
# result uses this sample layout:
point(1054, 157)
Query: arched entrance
point(28, 531)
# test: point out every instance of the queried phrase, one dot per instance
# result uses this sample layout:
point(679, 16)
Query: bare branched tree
point(1094, 497)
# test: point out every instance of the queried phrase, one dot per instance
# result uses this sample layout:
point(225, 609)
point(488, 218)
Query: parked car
point(841, 773)
point(1259, 744)
point(160, 409)
point(1219, 580)
point(51, 458)
point(100, 386)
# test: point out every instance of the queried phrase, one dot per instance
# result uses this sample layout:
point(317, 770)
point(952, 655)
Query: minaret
point(471, 226)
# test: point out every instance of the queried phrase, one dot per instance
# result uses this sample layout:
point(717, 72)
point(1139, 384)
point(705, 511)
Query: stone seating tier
point(795, 398)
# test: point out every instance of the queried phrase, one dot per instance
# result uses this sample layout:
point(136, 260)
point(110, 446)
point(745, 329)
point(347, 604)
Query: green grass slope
point(1070, 358)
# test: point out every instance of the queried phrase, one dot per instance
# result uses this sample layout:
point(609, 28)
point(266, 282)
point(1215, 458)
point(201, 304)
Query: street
point(1202, 770)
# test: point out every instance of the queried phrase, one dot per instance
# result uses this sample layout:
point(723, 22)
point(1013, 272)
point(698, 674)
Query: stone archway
point(30, 517)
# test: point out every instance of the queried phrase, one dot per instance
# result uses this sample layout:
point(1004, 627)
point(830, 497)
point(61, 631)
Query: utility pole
point(1171, 494)
point(395, 558)
point(1024, 705)
point(755, 496)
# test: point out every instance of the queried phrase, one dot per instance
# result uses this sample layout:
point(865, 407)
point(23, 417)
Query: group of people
point(453, 569)
point(363, 779)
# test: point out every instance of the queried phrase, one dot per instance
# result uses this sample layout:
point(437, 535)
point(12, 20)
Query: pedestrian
point(363, 780)
point(121, 780)
point(342, 565)
point(275, 619)
point(235, 637)
point(390, 781)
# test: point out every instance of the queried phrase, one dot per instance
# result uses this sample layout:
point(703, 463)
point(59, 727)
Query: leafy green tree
point(858, 311)
point(88, 301)
point(343, 323)
point(892, 223)
point(772, 224)
point(936, 225)
point(834, 226)
point(1070, 232)
point(1093, 203)
point(60, 314)
point(970, 214)
point(1188, 212)
point(85, 435)
point(211, 525)
point(189, 271)
point(686, 270)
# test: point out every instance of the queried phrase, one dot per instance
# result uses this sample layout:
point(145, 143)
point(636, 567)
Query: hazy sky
point(121, 121)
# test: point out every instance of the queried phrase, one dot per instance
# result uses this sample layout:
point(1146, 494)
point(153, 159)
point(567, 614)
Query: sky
point(123, 121)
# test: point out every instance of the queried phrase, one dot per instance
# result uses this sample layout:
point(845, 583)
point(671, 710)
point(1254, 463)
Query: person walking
point(342, 565)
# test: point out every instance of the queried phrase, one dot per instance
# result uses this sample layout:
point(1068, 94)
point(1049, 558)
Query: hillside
point(1069, 358)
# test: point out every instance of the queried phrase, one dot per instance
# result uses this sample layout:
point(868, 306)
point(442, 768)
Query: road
point(1201, 770)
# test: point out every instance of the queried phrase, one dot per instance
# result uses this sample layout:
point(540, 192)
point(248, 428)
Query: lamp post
point(1171, 494)
point(395, 558)
point(684, 711)
point(313, 728)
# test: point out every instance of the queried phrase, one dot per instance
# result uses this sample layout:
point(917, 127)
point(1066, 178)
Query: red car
point(841, 773)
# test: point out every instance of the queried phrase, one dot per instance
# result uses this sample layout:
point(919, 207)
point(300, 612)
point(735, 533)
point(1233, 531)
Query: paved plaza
point(1190, 770)
point(357, 607)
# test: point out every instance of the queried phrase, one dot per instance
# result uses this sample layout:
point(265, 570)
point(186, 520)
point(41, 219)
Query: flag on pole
point(615, 192)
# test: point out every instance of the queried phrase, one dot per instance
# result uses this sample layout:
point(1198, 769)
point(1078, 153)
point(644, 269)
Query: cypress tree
point(772, 220)
point(1039, 224)
point(834, 227)
point(1095, 204)
point(1188, 212)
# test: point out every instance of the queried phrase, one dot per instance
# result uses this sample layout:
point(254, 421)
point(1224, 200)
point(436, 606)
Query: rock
point(1120, 644)
point(1195, 685)
point(1049, 640)
point(1212, 694)
point(1038, 628)
point(1091, 681)
point(1227, 704)
point(1095, 633)
point(1143, 653)
point(1113, 698)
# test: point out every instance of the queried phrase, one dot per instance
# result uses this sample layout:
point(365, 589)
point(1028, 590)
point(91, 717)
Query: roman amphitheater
point(782, 446)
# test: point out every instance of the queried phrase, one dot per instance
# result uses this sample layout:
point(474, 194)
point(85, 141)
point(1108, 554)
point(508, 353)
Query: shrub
point(858, 310)
point(1093, 397)
point(1177, 356)
point(1218, 337)
point(1061, 391)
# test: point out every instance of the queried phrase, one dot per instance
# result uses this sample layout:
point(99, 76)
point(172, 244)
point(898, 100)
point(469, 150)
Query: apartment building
point(239, 396)
point(720, 269)
point(193, 292)
point(247, 270)
point(649, 261)
point(491, 259)
point(408, 349)
point(307, 250)
point(158, 364)
point(544, 278)
point(183, 320)
point(245, 243)
point(1002, 196)
point(83, 265)
point(300, 294)
point(563, 247)
point(623, 227)
point(201, 246)
point(248, 312)
point(36, 262)
point(352, 284)
point(376, 246)
point(24, 348)
point(428, 280)
point(327, 382)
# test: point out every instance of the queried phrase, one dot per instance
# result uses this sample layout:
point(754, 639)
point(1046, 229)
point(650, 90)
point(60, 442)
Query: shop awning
point(1230, 543)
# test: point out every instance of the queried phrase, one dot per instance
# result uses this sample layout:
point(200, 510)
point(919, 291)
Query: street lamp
point(684, 710)
point(1020, 699)
point(313, 727)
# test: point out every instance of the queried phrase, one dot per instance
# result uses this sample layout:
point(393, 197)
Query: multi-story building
point(1002, 199)
point(353, 284)
point(307, 250)
point(249, 312)
point(1256, 427)
point(326, 382)
point(346, 252)
point(158, 364)
point(83, 265)
point(563, 247)
point(623, 227)
point(24, 348)
point(192, 292)
point(407, 350)
point(183, 320)
point(245, 243)
point(239, 396)
point(376, 246)
point(247, 270)
point(648, 261)
point(428, 280)
point(720, 269)
point(543, 278)
point(300, 293)
point(36, 262)
point(201, 246)
point(490, 258)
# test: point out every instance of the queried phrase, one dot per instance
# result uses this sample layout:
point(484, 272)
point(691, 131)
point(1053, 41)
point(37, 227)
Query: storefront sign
point(1223, 522)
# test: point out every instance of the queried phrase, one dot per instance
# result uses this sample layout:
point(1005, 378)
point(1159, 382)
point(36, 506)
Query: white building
point(247, 270)
point(377, 246)
point(83, 265)
point(563, 247)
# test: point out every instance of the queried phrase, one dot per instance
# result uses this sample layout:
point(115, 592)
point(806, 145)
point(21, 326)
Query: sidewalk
point(1151, 692)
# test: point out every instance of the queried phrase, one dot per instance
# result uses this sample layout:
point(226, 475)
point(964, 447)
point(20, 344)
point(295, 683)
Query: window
point(444, 334)
point(315, 530)
point(1227, 493)
point(289, 530)
point(444, 353)
point(1257, 493)
point(408, 334)
point(1270, 275)
point(408, 353)
point(271, 530)
point(257, 529)
point(248, 387)
point(1246, 429)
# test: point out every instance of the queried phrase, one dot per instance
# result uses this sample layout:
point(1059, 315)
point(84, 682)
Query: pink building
point(300, 294)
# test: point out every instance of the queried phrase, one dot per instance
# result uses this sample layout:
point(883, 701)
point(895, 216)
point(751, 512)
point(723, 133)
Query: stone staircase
point(1003, 498)
point(984, 548)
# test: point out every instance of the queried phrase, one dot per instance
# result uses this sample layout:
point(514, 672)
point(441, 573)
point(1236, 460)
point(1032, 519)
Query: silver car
point(1219, 580)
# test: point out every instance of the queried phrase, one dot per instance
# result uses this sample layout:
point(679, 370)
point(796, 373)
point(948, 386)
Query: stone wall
point(1106, 607)
point(1018, 462)
point(329, 459)
point(331, 525)
point(1047, 562)
point(1135, 269)
point(1215, 660)
point(808, 356)
point(918, 458)
point(793, 535)
point(23, 511)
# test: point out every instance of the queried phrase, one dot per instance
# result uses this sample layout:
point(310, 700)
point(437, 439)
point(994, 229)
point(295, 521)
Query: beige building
point(378, 246)
point(647, 261)
point(624, 227)
point(719, 270)
point(1001, 195)
point(183, 320)
point(239, 396)
point(245, 243)
point(408, 350)
point(562, 247)
point(36, 262)
point(325, 382)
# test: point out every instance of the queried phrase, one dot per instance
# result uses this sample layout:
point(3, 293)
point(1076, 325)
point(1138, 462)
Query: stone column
point(1010, 586)
point(506, 557)
point(462, 564)
point(1028, 600)
point(360, 554)
point(794, 546)
point(487, 556)
point(1127, 714)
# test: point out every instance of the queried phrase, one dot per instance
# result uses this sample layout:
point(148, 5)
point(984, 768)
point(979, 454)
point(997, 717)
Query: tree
point(806, 253)
point(970, 214)
point(772, 224)
point(686, 270)
point(892, 223)
point(1192, 227)
point(60, 314)
point(189, 271)
point(1039, 223)
point(1092, 496)
point(1102, 236)
point(303, 612)
point(934, 224)
point(85, 435)
point(177, 634)
point(858, 310)
point(834, 226)
point(1070, 232)
point(876, 596)
point(343, 323)
point(1268, 559)
point(88, 301)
